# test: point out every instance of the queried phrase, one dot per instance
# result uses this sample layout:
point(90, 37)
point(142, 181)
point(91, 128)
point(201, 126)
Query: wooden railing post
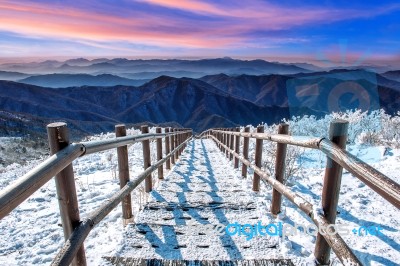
point(237, 145)
point(223, 136)
point(228, 141)
point(181, 141)
point(176, 144)
point(123, 172)
point(172, 143)
point(280, 167)
point(331, 188)
point(148, 186)
point(58, 137)
point(159, 154)
point(186, 136)
point(246, 141)
point(219, 134)
point(222, 140)
point(167, 150)
point(257, 159)
point(232, 144)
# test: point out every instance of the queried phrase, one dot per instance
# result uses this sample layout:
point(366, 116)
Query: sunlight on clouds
point(183, 24)
point(189, 5)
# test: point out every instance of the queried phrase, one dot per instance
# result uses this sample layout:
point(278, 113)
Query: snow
point(198, 193)
point(31, 233)
point(358, 206)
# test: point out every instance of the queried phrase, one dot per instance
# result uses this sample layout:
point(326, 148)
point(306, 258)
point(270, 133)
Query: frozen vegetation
point(31, 234)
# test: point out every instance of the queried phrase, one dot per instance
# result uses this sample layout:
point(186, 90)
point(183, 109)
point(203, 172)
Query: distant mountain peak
point(65, 65)
point(78, 61)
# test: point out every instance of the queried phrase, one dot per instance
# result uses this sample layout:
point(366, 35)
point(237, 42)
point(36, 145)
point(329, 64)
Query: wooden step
point(203, 197)
point(155, 241)
point(177, 214)
point(161, 262)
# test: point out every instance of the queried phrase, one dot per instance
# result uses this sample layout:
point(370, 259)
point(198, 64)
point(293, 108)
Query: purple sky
point(335, 31)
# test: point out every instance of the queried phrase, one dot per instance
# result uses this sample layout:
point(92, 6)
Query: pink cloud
point(36, 20)
point(189, 5)
point(235, 22)
point(273, 16)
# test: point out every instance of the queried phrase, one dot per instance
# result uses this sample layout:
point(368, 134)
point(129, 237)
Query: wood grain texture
point(123, 174)
point(58, 136)
point(280, 169)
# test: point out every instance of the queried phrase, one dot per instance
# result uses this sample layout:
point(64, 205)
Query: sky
point(352, 32)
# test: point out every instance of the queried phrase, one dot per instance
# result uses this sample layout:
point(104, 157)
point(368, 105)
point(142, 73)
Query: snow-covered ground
point(31, 234)
point(358, 206)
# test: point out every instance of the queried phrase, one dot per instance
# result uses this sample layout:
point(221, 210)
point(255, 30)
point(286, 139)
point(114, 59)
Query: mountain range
point(94, 95)
point(77, 80)
point(123, 66)
point(211, 101)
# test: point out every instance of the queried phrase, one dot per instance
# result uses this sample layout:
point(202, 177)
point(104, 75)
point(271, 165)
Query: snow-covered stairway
point(184, 221)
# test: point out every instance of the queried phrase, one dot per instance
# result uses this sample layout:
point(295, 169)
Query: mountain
point(393, 75)
point(188, 102)
point(153, 75)
point(319, 92)
point(264, 90)
point(117, 66)
point(212, 101)
point(32, 67)
point(13, 76)
point(309, 66)
point(78, 80)
point(353, 75)
point(78, 62)
point(234, 66)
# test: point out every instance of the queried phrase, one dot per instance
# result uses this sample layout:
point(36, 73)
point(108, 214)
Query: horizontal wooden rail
point(107, 144)
point(380, 183)
point(71, 246)
point(24, 187)
point(336, 242)
point(302, 141)
point(63, 157)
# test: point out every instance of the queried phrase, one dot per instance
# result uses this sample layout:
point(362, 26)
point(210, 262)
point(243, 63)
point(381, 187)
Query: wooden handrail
point(71, 246)
point(107, 144)
point(302, 141)
point(16, 193)
point(58, 136)
point(336, 242)
point(338, 157)
point(60, 164)
point(280, 168)
point(380, 183)
point(24, 187)
point(123, 174)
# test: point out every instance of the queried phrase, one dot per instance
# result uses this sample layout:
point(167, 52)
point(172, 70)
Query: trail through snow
point(31, 233)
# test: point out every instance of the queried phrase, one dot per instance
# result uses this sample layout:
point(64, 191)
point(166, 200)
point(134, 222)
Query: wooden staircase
point(172, 227)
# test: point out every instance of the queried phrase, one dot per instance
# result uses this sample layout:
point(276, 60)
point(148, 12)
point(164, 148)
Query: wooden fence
point(59, 164)
point(228, 141)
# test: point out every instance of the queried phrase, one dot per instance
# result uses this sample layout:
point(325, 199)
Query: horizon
point(322, 64)
point(339, 32)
